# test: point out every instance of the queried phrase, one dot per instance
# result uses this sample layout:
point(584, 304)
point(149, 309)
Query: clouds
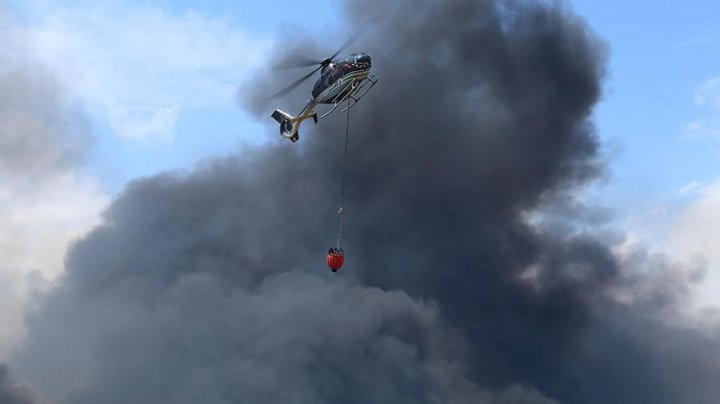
point(44, 203)
point(41, 130)
point(696, 221)
point(690, 230)
point(140, 66)
point(707, 96)
point(709, 93)
point(692, 235)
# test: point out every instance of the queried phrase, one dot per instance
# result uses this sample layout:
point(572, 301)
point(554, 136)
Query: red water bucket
point(335, 259)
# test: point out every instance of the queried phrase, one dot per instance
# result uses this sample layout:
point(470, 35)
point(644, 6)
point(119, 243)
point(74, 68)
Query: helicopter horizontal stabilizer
point(289, 125)
point(281, 116)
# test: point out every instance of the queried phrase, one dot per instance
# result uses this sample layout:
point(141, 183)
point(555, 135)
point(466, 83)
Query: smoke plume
point(210, 286)
point(41, 130)
point(43, 139)
point(11, 392)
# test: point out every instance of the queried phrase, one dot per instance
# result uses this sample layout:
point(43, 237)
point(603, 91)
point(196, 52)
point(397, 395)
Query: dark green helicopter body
point(347, 79)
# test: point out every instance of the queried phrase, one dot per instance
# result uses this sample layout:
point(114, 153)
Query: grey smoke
point(42, 131)
point(41, 134)
point(210, 286)
point(11, 392)
point(190, 305)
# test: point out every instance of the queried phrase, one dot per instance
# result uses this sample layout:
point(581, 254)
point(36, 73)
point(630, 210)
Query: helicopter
point(347, 79)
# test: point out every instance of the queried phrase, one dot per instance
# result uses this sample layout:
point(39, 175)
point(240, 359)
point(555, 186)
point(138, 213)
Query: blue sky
point(661, 52)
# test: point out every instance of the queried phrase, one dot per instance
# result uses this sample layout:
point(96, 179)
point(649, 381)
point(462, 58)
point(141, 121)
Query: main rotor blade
point(294, 60)
point(351, 40)
point(292, 86)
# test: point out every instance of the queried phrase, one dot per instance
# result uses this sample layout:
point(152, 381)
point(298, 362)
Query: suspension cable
point(341, 212)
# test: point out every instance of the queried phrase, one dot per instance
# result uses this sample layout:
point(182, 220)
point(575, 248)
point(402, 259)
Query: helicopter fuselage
point(339, 81)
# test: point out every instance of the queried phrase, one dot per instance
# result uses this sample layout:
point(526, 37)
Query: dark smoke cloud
point(11, 392)
point(210, 286)
point(186, 297)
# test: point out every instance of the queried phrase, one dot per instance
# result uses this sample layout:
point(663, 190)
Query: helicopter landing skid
point(352, 95)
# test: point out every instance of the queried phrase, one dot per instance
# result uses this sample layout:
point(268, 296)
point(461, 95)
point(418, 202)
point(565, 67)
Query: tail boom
point(289, 125)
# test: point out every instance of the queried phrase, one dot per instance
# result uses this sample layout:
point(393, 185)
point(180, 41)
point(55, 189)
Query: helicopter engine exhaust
point(288, 125)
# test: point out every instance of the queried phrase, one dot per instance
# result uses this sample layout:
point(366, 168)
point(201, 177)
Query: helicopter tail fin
point(289, 125)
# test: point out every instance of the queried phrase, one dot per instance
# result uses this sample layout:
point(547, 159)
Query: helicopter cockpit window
point(337, 73)
point(344, 68)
